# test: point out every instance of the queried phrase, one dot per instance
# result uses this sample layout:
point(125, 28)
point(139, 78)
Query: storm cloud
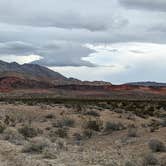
point(145, 4)
point(58, 34)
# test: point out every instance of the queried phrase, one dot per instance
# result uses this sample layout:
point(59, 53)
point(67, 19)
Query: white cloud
point(122, 62)
point(20, 59)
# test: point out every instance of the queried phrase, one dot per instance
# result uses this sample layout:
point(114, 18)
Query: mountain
point(148, 83)
point(30, 71)
point(34, 79)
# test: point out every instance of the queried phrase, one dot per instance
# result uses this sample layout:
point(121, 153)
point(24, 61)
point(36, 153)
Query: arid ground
point(101, 133)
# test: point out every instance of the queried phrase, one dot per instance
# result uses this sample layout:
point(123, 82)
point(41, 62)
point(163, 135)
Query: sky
point(111, 40)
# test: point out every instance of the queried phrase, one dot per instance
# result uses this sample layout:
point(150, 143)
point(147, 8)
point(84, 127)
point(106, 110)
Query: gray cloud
point(64, 54)
point(145, 4)
point(57, 30)
point(16, 47)
point(64, 14)
point(55, 53)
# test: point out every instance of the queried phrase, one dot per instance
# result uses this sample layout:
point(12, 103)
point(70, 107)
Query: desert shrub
point(64, 122)
point(60, 132)
point(36, 145)
point(154, 125)
point(50, 116)
point(132, 131)
point(157, 146)
point(92, 113)
point(95, 125)
point(112, 126)
point(28, 131)
point(2, 127)
point(119, 110)
point(130, 163)
point(12, 135)
point(150, 159)
point(87, 133)
point(163, 122)
point(77, 136)
point(49, 153)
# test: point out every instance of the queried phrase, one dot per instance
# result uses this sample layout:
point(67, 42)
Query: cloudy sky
point(112, 40)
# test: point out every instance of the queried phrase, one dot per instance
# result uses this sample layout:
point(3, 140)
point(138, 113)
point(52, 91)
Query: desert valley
point(47, 119)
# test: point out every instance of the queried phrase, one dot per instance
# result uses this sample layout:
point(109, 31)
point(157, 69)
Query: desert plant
point(132, 131)
point(36, 145)
point(95, 125)
point(12, 135)
point(60, 132)
point(50, 116)
point(112, 126)
point(2, 127)
point(28, 131)
point(154, 125)
point(49, 153)
point(92, 113)
point(64, 122)
point(163, 123)
point(87, 133)
point(157, 146)
point(149, 160)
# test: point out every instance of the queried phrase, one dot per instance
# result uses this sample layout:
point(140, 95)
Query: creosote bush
point(36, 145)
point(157, 146)
point(59, 132)
point(87, 133)
point(112, 126)
point(66, 122)
point(12, 135)
point(95, 125)
point(2, 127)
point(92, 113)
point(149, 160)
point(28, 131)
point(132, 131)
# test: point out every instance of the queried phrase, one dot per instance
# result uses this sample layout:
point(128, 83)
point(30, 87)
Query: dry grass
point(101, 134)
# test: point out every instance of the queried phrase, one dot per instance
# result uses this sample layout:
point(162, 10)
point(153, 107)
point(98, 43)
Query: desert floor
point(99, 134)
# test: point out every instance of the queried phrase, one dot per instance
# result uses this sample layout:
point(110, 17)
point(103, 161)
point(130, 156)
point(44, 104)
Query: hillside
point(33, 78)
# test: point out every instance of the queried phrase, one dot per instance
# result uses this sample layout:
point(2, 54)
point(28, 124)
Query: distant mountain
point(148, 84)
point(30, 71)
point(41, 74)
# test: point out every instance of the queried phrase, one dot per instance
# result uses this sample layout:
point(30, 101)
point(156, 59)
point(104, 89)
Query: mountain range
point(35, 78)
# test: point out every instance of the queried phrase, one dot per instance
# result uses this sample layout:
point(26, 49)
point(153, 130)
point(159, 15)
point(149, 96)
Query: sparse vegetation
point(132, 131)
point(150, 159)
point(12, 135)
point(112, 126)
point(100, 133)
point(65, 122)
point(36, 145)
point(157, 146)
point(92, 113)
point(28, 131)
point(95, 125)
